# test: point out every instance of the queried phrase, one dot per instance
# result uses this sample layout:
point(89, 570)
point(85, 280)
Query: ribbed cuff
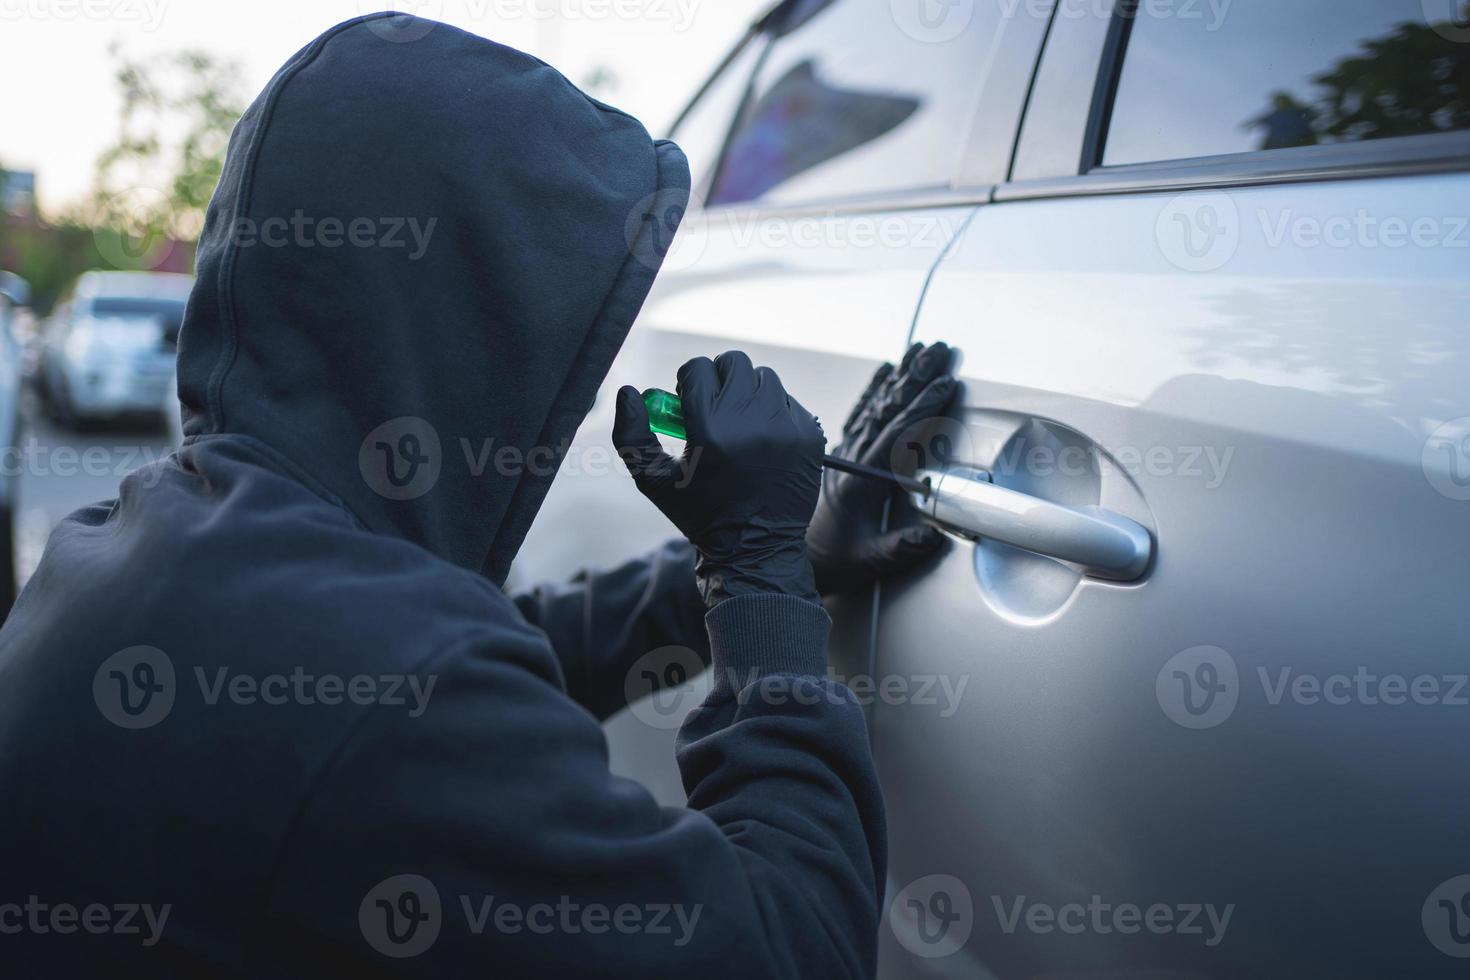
point(752, 636)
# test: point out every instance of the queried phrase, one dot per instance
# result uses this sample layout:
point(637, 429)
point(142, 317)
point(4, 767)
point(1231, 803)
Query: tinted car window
point(1271, 74)
point(702, 131)
point(855, 97)
point(127, 306)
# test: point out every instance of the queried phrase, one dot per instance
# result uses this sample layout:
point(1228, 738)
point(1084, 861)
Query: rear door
point(827, 158)
point(1224, 297)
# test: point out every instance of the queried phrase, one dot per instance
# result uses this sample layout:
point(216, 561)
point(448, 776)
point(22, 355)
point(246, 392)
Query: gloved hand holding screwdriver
point(750, 505)
point(753, 461)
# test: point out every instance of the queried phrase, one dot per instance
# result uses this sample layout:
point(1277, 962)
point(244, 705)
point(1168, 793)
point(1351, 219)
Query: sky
point(59, 103)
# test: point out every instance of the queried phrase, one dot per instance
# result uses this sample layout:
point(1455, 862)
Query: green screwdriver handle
point(665, 413)
point(666, 417)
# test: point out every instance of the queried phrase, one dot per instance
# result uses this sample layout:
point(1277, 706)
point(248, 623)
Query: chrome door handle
point(1104, 544)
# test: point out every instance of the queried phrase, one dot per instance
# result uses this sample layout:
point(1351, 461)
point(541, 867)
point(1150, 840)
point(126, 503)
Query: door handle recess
point(1104, 544)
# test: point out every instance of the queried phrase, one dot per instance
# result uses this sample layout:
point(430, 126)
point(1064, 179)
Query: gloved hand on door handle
point(848, 546)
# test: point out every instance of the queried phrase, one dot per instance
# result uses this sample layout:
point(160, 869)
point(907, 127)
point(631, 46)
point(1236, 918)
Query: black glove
point(744, 490)
point(849, 549)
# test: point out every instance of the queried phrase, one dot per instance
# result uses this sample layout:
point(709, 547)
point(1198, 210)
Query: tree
point(1413, 80)
point(151, 187)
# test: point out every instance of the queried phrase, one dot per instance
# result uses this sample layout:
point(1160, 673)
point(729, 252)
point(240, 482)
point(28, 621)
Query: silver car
point(108, 349)
point(15, 296)
point(1187, 695)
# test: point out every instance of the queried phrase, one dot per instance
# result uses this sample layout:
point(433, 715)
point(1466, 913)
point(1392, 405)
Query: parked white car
point(1209, 271)
point(15, 296)
point(108, 349)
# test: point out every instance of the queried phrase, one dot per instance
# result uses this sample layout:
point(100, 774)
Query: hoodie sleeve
point(601, 622)
point(488, 836)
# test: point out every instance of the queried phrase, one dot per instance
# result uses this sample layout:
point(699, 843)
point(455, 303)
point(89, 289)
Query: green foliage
point(151, 186)
point(1411, 81)
point(49, 258)
point(148, 187)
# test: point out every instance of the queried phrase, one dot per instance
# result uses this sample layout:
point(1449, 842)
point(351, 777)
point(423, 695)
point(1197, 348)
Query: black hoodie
point(269, 713)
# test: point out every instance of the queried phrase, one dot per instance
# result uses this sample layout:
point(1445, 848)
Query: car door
point(1222, 299)
point(826, 154)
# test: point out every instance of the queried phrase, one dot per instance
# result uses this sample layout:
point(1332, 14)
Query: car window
point(858, 97)
point(1270, 74)
point(702, 130)
point(129, 306)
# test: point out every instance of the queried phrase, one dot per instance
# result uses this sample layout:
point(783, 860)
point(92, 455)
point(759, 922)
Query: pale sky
point(59, 103)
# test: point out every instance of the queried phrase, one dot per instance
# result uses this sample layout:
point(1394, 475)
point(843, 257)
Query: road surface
point(61, 470)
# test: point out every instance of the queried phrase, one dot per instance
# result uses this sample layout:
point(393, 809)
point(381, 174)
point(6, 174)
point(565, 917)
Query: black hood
point(425, 251)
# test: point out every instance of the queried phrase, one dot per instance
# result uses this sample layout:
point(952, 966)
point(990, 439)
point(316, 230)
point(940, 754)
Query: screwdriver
point(666, 417)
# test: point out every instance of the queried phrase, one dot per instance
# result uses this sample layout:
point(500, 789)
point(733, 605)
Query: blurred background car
point(172, 417)
point(108, 349)
point(15, 295)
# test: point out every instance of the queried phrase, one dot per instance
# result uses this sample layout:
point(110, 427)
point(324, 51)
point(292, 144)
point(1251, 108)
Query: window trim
point(917, 199)
point(759, 34)
point(755, 34)
point(724, 65)
point(975, 173)
point(1397, 156)
point(1063, 106)
point(1109, 77)
point(1427, 153)
point(1000, 103)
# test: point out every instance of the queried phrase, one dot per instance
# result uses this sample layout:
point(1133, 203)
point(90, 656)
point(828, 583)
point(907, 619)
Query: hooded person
point(269, 713)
